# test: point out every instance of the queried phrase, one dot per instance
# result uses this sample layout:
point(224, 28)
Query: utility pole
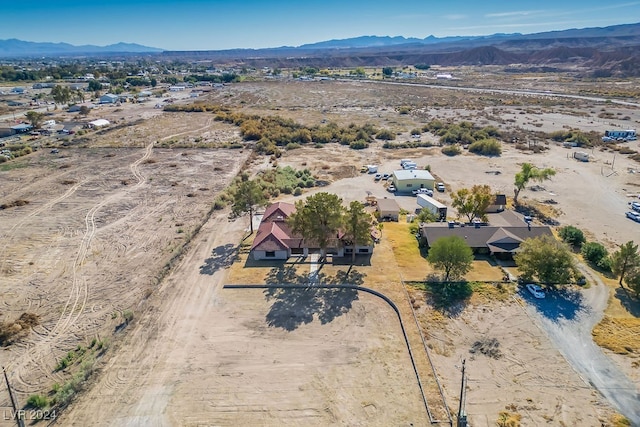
point(16, 414)
point(462, 417)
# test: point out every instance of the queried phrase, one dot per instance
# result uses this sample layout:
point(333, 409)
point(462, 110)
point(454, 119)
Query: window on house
point(363, 250)
point(297, 251)
point(270, 254)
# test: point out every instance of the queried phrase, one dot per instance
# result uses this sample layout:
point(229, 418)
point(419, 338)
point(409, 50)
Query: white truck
point(433, 206)
point(581, 155)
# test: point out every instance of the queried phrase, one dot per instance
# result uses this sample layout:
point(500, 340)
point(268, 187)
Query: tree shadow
point(450, 298)
point(221, 257)
point(628, 301)
point(294, 306)
point(558, 304)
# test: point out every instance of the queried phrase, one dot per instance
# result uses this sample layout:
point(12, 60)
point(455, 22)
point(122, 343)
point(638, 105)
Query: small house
point(109, 98)
point(498, 204)
point(95, 124)
point(388, 209)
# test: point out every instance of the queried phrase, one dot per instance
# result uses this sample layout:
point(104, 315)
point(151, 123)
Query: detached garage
point(388, 209)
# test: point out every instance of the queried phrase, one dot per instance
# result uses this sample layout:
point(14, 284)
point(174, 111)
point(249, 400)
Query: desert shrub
point(508, 419)
point(594, 253)
point(572, 236)
point(627, 150)
point(292, 146)
point(404, 110)
point(407, 144)
point(219, 204)
point(416, 131)
point(451, 150)
point(386, 135)
point(38, 401)
point(486, 147)
point(297, 191)
point(358, 145)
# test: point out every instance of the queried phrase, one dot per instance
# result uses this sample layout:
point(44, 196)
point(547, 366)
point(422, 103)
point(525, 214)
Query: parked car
point(635, 206)
point(386, 176)
point(391, 189)
point(378, 177)
point(535, 290)
point(440, 187)
point(633, 215)
point(426, 191)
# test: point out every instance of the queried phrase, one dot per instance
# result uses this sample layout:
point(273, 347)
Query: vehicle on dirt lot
point(635, 206)
point(391, 189)
point(634, 216)
point(386, 176)
point(378, 177)
point(535, 290)
point(440, 187)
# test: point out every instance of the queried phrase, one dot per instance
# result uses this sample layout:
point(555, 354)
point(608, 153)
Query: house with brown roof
point(275, 239)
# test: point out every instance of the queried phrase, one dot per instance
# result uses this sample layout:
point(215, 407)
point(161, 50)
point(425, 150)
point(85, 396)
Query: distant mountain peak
point(20, 48)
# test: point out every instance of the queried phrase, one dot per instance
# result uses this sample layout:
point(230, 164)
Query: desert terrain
point(118, 243)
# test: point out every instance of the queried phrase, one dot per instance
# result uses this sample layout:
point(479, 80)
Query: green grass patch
point(7, 166)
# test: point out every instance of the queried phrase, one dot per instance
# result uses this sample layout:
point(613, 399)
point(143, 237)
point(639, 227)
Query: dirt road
point(567, 318)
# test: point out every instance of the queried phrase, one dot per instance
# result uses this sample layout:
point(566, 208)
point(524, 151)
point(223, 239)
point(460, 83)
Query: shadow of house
point(293, 306)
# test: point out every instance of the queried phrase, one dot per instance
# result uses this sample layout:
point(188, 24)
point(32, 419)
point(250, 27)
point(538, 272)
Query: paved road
point(568, 318)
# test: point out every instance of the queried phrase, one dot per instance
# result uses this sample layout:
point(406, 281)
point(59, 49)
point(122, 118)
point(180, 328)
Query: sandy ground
point(103, 222)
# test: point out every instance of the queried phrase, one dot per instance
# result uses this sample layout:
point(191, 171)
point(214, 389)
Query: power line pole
point(462, 417)
point(16, 414)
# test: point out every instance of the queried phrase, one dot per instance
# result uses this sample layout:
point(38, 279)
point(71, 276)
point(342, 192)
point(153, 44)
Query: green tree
point(387, 71)
point(61, 94)
point(318, 219)
point(247, 196)
point(452, 255)
point(530, 173)
point(34, 118)
point(357, 226)
point(84, 110)
point(473, 202)
point(594, 253)
point(625, 260)
point(633, 281)
point(545, 259)
point(572, 236)
point(94, 85)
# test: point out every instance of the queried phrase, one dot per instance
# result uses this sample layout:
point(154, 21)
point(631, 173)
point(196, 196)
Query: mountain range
point(12, 48)
point(601, 51)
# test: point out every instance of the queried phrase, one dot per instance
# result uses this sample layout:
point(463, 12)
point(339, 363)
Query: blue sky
point(213, 24)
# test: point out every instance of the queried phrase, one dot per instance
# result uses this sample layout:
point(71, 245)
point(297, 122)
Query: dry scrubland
point(94, 255)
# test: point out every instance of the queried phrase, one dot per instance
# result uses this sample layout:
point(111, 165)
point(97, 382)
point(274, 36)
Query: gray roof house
point(109, 98)
point(502, 237)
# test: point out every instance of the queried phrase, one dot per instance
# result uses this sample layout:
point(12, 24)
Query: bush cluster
point(461, 133)
point(486, 147)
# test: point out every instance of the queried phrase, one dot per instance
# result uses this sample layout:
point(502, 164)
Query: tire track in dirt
point(36, 354)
